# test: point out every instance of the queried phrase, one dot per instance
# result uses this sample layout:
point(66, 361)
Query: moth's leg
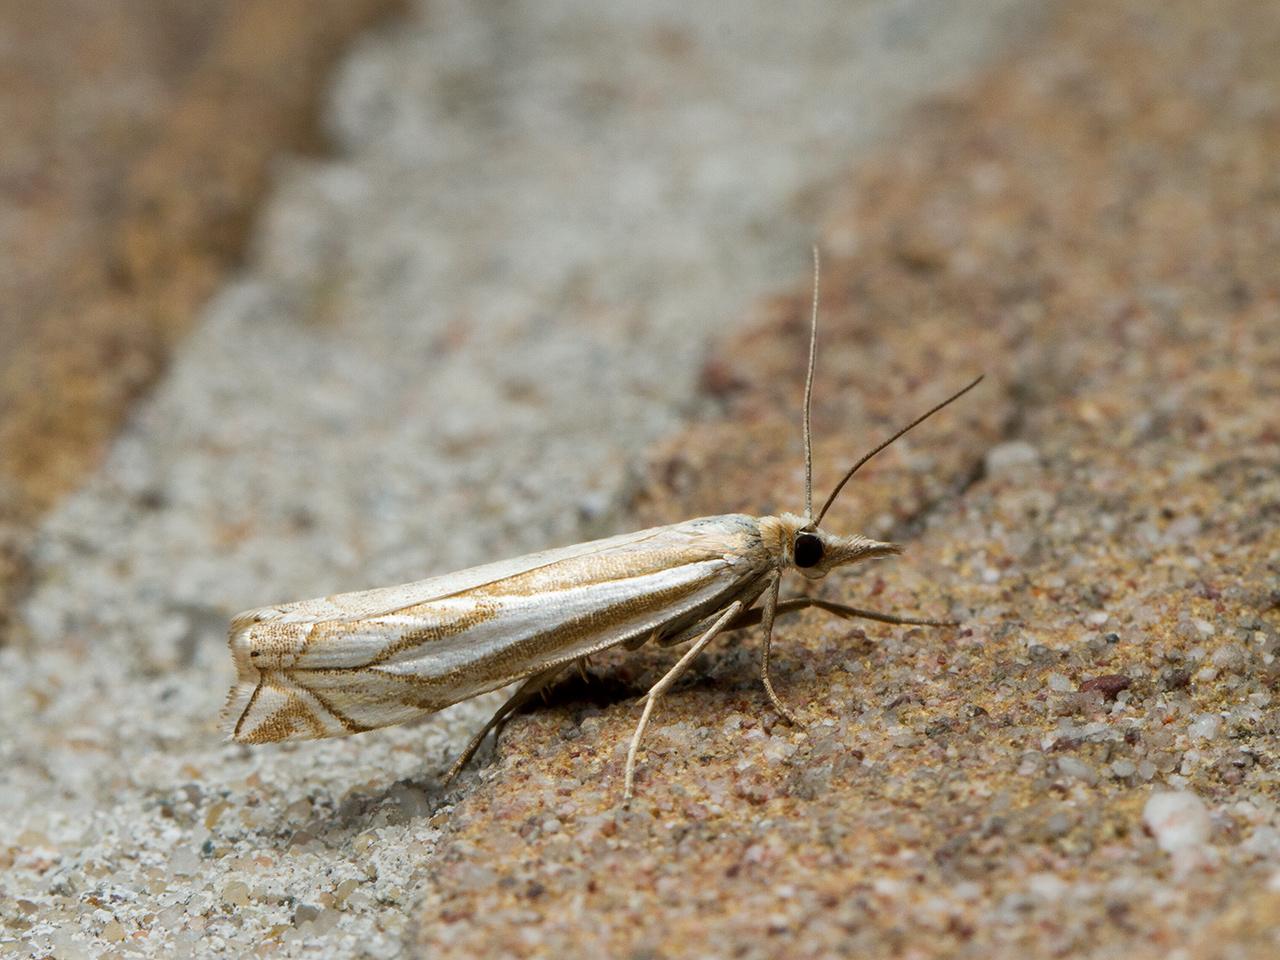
point(749, 618)
point(768, 615)
point(847, 612)
point(661, 687)
point(524, 693)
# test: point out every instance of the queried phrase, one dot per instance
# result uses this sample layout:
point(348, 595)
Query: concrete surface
point(453, 342)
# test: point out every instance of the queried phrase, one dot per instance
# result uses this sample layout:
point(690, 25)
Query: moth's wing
point(383, 600)
point(266, 631)
point(356, 661)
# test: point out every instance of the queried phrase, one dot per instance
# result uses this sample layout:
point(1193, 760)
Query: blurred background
point(299, 296)
point(492, 209)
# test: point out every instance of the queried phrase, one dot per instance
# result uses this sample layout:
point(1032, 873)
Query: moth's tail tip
point(238, 699)
point(240, 696)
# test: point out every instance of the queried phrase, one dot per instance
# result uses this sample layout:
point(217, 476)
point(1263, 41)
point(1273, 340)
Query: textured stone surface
point(137, 142)
point(449, 343)
point(1086, 768)
point(1097, 225)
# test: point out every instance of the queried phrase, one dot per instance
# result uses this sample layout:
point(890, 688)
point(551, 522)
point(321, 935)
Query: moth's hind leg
point(661, 687)
point(847, 612)
point(530, 688)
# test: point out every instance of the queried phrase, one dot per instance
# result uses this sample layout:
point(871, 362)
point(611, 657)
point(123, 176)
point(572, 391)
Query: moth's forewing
point(352, 662)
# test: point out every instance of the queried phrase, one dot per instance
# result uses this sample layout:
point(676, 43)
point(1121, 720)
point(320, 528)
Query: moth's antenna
point(808, 394)
point(914, 423)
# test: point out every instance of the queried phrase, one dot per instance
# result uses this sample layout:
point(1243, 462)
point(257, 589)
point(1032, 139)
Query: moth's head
point(815, 552)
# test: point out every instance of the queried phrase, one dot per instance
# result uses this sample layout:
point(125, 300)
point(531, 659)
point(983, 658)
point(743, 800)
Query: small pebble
point(1205, 726)
point(1109, 684)
point(1058, 683)
point(298, 810)
point(343, 890)
point(325, 921)
point(1072, 767)
point(184, 862)
point(1058, 825)
point(1178, 820)
point(1263, 842)
point(1231, 657)
point(1011, 456)
point(1047, 886)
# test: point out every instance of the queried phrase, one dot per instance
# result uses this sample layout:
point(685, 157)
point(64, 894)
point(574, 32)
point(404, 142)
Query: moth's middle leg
point(769, 613)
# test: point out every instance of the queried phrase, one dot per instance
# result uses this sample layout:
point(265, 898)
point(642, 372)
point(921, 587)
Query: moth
point(353, 662)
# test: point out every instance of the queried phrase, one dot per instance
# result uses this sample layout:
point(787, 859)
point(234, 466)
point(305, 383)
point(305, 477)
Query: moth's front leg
point(750, 618)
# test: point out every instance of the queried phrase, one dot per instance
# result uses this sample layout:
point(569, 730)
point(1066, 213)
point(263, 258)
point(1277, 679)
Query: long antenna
point(913, 424)
point(808, 394)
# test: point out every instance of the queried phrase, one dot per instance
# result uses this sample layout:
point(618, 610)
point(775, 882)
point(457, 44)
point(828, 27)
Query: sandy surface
point(453, 342)
point(1088, 767)
point(457, 342)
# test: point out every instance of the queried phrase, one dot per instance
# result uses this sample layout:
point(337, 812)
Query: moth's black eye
point(808, 550)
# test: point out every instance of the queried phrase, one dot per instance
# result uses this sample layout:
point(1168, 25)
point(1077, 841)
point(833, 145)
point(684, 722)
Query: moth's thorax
point(779, 535)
